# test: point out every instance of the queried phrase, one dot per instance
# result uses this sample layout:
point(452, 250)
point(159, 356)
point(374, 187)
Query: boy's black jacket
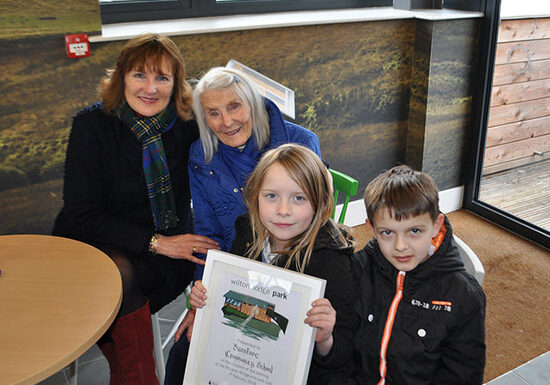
point(429, 343)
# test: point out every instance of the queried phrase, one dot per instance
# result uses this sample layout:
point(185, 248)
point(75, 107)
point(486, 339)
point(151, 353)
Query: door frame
point(481, 99)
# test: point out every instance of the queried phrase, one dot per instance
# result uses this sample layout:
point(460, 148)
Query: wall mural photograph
point(355, 86)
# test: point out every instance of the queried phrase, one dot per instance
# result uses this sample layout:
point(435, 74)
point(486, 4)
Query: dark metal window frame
point(465, 5)
point(176, 9)
point(480, 117)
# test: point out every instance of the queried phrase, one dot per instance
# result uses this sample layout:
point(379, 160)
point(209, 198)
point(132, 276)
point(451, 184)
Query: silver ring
point(194, 249)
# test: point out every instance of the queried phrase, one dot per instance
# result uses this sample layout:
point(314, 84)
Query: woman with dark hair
point(126, 192)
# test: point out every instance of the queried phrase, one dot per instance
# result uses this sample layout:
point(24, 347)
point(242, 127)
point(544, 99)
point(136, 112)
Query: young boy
point(422, 315)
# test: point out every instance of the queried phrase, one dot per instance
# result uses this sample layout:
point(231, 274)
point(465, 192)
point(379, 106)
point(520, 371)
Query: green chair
point(345, 184)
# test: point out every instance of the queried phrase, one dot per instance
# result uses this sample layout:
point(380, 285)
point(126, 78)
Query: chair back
point(472, 264)
point(346, 185)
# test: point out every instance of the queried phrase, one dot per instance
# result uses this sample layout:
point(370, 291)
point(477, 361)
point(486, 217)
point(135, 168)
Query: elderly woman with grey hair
point(237, 126)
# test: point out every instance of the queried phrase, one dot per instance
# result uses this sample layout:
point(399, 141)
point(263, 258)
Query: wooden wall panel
point(519, 111)
point(520, 92)
point(524, 29)
point(520, 72)
point(517, 131)
point(519, 119)
point(511, 151)
point(527, 50)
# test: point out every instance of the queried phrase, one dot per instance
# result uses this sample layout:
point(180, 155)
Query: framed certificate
point(252, 329)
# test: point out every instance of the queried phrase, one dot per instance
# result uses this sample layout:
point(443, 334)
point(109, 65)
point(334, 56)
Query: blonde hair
point(219, 78)
point(147, 51)
point(309, 172)
point(404, 192)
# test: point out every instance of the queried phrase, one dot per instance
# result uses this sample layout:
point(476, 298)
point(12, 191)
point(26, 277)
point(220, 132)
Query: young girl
point(289, 201)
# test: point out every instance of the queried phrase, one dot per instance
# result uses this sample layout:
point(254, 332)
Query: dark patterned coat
point(105, 198)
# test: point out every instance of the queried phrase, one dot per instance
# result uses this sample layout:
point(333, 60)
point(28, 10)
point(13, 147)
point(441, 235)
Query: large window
point(119, 11)
point(503, 161)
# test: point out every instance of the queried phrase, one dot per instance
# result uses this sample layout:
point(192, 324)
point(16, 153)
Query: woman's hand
point(323, 317)
point(187, 323)
point(184, 245)
point(197, 298)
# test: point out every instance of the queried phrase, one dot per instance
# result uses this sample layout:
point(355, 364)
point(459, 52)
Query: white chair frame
point(471, 262)
point(158, 344)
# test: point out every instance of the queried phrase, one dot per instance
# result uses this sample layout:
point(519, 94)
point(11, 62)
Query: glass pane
point(516, 166)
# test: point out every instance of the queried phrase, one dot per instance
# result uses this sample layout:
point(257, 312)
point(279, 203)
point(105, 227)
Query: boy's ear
point(371, 227)
point(437, 224)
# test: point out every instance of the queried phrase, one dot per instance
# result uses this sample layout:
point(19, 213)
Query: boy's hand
point(187, 323)
point(197, 298)
point(323, 317)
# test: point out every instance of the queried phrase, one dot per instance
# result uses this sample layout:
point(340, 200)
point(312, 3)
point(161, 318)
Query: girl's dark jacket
point(105, 196)
point(332, 263)
point(438, 335)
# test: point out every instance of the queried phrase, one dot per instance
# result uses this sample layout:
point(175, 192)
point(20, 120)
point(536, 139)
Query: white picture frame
point(241, 336)
point(282, 96)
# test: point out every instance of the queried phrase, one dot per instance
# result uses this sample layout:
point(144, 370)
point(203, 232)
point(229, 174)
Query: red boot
point(108, 350)
point(133, 338)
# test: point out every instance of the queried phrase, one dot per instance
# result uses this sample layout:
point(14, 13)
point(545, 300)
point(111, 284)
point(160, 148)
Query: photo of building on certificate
point(255, 317)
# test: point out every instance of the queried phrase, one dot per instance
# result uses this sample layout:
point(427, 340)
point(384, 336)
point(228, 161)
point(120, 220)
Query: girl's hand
point(184, 245)
point(187, 323)
point(323, 317)
point(197, 298)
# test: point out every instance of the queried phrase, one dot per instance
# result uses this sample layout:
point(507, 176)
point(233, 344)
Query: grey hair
point(220, 78)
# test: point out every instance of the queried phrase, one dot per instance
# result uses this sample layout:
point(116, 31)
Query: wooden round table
point(57, 297)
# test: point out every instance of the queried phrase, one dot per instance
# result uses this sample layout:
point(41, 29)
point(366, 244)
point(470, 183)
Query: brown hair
point(308, 171)
point(147, 51)
point(404, 192)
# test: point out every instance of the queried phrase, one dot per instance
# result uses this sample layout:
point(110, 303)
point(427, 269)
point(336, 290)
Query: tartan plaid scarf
point(148, 130)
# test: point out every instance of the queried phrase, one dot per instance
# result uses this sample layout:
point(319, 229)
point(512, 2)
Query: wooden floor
point(523, 192)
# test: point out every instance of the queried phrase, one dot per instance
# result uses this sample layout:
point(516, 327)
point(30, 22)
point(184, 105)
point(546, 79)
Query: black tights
point(132, 296)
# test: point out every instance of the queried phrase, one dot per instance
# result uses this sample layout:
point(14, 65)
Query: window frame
point(480, 115)
point(178, 9)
